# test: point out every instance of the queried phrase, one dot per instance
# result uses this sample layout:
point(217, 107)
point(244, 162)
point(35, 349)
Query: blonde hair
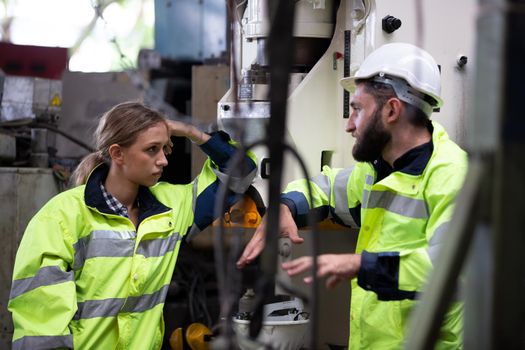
point(120, 125)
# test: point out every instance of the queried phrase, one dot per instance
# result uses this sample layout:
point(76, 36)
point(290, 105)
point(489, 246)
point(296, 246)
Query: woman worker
point(94, 265)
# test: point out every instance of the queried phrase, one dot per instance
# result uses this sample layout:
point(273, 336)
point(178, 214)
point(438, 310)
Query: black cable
point(226, 303)
point(226, 313)
point(280, 42)
point(280, 59)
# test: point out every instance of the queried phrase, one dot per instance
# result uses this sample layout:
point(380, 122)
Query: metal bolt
point(390, 24)
point(462, 61)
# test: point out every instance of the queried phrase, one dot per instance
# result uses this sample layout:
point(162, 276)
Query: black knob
point(462, 61)
point(391, 23)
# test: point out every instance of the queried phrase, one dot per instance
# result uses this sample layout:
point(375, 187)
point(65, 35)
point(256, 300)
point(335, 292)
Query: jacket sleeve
point(220, 150)
point(43, 298)
point(336, 194)
point(401, 275)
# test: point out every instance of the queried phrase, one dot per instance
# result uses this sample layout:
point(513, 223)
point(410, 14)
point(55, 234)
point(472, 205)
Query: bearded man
point(400, 194)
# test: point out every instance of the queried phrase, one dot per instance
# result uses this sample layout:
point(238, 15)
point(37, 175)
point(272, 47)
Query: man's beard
point(372, 140)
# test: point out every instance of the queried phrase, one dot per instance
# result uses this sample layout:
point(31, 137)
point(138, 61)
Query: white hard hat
point(405, 61)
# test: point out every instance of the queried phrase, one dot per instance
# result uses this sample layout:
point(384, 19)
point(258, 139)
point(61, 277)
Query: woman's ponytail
point(86, 166)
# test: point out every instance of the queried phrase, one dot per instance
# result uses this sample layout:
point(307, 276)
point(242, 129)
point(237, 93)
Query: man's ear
point(116, 154)
point(393, 110)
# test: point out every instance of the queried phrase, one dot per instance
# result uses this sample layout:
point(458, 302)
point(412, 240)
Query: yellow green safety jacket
point(85, 278)
point(402, 214)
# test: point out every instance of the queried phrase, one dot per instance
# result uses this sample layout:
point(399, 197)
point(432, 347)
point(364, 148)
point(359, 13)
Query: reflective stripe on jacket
point(86, 278)
point(403, 220)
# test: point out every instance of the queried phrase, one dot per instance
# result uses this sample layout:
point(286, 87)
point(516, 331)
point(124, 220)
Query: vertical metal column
point(497, 147)
point(508, 324)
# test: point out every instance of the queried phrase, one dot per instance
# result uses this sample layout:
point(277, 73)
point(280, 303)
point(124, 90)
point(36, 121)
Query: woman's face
point(144, 160)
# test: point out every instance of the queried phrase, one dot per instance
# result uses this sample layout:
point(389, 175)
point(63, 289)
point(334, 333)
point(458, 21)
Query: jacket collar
point(415, 160)
point(93, 197)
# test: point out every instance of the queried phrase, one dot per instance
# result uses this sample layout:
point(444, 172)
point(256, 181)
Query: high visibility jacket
point(403, 220)
point(86, 278)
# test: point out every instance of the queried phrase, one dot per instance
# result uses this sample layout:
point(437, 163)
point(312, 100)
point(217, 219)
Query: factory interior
point(268, 74)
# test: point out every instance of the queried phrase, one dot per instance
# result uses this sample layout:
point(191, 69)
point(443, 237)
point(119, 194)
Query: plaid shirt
point(113, 203)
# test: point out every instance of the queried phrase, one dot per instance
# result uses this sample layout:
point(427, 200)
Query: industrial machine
point(331, 39)
point(28, 106)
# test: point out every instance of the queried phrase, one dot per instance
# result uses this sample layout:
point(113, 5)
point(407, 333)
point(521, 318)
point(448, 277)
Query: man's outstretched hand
point(287, 228)
point(336, 267)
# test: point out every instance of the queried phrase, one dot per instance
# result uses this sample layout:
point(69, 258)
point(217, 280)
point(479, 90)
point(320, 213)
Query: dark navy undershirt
point(412, 162)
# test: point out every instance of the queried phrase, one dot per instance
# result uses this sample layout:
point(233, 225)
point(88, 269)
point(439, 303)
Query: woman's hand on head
point(177, 128)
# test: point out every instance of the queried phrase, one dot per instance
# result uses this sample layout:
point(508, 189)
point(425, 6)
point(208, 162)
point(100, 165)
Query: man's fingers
point(249, 254)
point(294, 237)
point(253, 248)
point(332, 281)
point(297, 266)
point(243, 261)
point(322, 269)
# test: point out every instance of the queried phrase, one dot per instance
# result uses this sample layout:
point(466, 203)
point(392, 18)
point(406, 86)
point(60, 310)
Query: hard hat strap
point(405, 92)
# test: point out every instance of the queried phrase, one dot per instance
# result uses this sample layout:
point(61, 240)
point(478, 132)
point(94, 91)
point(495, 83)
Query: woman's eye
point(152, 149)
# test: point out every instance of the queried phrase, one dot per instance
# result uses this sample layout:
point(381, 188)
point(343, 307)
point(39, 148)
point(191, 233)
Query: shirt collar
point(94, 197)
point(113, 203)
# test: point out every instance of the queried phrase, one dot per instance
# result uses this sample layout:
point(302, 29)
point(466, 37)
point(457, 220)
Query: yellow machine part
point(195, 337)
point(242, 214)
point(177, 340)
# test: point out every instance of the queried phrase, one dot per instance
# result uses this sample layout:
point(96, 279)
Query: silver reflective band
point(364, 202)
point(158, 247)
point(237, 184)
point(437, 237)
point(108, 234)
point(43, 342)
point(322, 181)
point(113, 306)
point(341, 197)
point(103, 244)
point(434, 244)
point(145, 302)
point(99, 308)
point(434, 247)
point(194, 190)
point(406, 206)
point(46, 276)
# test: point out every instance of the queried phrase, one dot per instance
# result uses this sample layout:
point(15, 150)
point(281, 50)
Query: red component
point(33, 61)
point(338, 55)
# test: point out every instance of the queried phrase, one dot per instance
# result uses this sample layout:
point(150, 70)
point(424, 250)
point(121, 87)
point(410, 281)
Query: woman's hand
point(196, 136)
